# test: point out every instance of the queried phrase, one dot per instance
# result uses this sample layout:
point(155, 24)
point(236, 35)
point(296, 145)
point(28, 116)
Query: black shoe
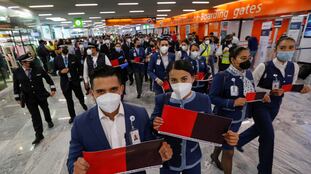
point(131, 83)
point(217, 162)
point(38, 140)
point(50, 124)
point(240, 149)
point(84, 107)
point(71, 120)
point(139, 95)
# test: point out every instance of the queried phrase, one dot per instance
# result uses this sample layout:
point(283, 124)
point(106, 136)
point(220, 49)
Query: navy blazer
point(158, 71)
point(87, 133)
point(186, 154)
point(141, 54)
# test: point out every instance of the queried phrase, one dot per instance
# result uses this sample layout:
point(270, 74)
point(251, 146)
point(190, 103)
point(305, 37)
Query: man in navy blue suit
point(110, 124)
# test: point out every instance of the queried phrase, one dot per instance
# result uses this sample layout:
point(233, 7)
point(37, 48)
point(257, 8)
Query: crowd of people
point(209, 76)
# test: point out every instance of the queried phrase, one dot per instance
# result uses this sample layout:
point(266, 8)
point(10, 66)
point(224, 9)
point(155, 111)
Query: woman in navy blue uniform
point(270, 77)
point(227, 93)
point(201, 69)
point(117, 57)
point(186, 154)
point(185, 52)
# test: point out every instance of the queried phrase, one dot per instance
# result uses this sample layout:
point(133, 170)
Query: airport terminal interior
point(65, 46)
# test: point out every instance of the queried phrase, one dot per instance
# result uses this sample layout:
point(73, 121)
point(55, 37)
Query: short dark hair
point(186, 41)
point(282, 38)
point(235, 51)
point(163, 39)
point(135, 40)
point(104, 71)
point(247, 37)
point(181, 65)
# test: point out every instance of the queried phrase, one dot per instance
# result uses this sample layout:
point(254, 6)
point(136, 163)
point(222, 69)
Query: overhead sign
point(78, 23)
point(238, 10)
point(130, 21)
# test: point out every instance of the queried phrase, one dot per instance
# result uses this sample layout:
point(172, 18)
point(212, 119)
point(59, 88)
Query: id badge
point(276, 84)
point(69, 75)
point(158, 62)
point(134, 54)
point(135, 138)
point(234, 90)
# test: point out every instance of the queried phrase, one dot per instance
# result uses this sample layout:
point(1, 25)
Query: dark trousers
point(194, 170)
point(146, 71)
point(33, 104)
point(211, 62)
point(68, 95)
point(45, 63)
point(263, 116)
point(139, 76)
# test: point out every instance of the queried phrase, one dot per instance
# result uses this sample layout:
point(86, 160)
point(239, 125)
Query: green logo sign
point(78, 23)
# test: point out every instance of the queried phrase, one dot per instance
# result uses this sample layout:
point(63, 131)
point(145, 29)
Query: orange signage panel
point(130, 21)
point(239, 10)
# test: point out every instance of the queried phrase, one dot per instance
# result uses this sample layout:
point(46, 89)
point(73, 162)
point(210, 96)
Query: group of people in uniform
point(181, 75)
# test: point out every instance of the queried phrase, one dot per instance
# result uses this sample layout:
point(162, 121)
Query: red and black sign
point(166, 86)
point(255, 96)
point(292, 88)
point(190, 125)
point(114, 62)
point(131, 158)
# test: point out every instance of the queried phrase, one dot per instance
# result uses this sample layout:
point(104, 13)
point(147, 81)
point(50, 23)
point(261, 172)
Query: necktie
point(28, 73)
point(66, 61)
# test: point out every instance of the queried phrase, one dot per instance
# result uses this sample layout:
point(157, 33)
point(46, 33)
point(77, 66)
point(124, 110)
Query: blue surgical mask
point(118, 49)
point(285, 56)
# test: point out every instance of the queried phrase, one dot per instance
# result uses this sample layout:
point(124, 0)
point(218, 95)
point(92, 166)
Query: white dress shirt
point(260, 69)
point(165, 60)
point(114, 129)
point(85, 67)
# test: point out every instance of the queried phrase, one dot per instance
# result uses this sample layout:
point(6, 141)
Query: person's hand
point(166, 152)
point(239, 102)
point(53, 93)
point(64, 71)
point(226, 49)
point(19, 102)
point(266, 99)
point(159, 82)
point(81, 166)
point(231, 138)
point(305, 89)
point(277, 92)
point(157, 123)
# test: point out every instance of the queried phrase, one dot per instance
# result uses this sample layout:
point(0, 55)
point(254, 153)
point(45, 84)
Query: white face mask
point(207, 42)
point(128, 40)
point(108, 102)
point(194, 54)
point(107, 41)
point(164, 49)
point(89, 52)
point(184, 48)
point(182, 89)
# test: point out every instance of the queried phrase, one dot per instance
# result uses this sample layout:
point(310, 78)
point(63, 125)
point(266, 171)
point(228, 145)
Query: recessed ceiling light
point(200, 2)
point(66, 22)
point(103, 20)
point(165, 3)
point(41, 6)
point(162, 15)
point(87, 21)
point(164, 10)
point(85, 5)
point(76, 13)
point(44, 14)
point(56, 19)
point(137, 11)
point(160, 18)
point(95, 17)
point(188, 10)
point(128, 3)
point(11, 7)
point(107, 12)
point(98, 23)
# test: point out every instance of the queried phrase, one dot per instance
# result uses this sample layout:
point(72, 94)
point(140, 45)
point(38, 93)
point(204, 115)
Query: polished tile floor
point(18, 156)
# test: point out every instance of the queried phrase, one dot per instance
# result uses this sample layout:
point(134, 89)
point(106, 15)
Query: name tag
point(38, 75)
point(234, 91)
point(135, 138)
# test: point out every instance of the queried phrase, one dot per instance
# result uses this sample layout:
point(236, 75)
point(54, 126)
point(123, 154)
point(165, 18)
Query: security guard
point(223, 53)
point(29, 89)
point(70, 71)
point(270, 77)
point(208, 51)
point(94, 59)
point(158, 64)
